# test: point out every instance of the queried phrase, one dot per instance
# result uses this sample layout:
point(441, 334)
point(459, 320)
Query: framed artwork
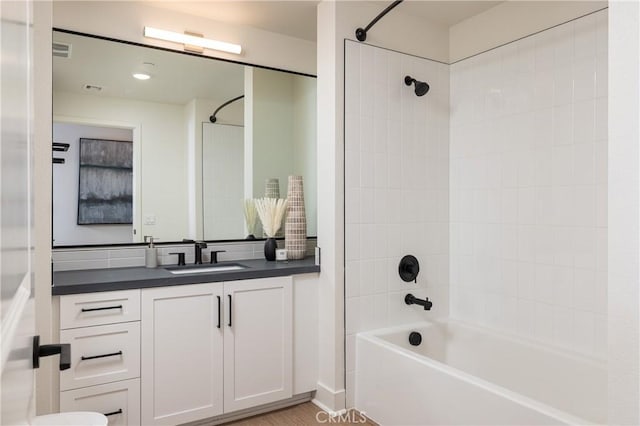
point(105, 190)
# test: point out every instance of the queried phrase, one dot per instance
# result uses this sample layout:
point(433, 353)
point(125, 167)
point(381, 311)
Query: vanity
point(156, 348)
point(176, 157)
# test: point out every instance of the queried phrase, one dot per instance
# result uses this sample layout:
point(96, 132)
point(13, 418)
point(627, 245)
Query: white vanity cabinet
point(182, 338)
point(257, 342)
point(104, 332)
point(215, 348)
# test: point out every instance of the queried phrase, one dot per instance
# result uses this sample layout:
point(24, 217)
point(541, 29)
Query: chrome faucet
point(198, 246)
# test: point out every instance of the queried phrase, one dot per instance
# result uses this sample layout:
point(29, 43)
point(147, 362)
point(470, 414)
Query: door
point(17, 316)
point(257, 342)
point(181, 374)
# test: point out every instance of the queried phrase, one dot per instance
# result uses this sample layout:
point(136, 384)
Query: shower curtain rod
point(213, 118)
point(361, 33)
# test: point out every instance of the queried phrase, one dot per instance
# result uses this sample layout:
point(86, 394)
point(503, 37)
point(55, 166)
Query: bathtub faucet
point(410, 299)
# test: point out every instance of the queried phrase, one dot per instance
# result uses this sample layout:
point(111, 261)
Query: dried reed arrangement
point(271, 211)
point(250, 215)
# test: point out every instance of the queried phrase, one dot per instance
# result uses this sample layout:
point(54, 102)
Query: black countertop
point(95, 280)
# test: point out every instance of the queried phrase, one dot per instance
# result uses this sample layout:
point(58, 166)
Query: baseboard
point(329, 400)
point(250, 412)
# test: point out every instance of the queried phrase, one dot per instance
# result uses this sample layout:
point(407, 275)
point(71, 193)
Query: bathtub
point(464, 375)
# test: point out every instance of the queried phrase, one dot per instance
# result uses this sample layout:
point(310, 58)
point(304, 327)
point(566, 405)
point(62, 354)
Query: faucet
point(198, 246)
point(410, 299)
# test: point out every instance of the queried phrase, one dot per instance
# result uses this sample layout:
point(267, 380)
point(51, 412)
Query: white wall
point(396, 180)
point(125, 20)
point(272, 129)
point(305, 145)
point(624, 213)
point(163, 151)
point(529, 187)
point(511, 20)
point(66, 230)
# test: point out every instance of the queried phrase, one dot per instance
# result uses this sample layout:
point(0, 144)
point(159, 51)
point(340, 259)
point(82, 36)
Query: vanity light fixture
point(190, 40)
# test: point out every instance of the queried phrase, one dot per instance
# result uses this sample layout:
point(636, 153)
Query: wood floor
point(302, 415)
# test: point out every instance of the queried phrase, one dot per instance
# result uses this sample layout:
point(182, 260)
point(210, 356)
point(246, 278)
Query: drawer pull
point(101, 309)
point(113, 413)
point(84, 358)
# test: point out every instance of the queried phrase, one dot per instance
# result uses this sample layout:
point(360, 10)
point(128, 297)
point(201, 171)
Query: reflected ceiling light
point(144, 71)
point(141, 76)
point(190, 40)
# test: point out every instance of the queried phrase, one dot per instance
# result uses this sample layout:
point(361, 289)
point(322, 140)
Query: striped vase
point(295, 230)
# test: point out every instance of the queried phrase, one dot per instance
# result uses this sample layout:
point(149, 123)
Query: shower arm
point(213, 118)
point(361, 33)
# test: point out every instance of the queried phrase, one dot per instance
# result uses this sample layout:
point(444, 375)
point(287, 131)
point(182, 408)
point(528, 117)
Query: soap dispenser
point(150, 253)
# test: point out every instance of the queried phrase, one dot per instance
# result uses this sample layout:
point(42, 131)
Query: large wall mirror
point(140, 157)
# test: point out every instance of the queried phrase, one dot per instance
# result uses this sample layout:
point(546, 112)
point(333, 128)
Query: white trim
point(330, 400)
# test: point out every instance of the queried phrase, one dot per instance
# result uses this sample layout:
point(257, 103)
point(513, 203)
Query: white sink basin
point(206, 269)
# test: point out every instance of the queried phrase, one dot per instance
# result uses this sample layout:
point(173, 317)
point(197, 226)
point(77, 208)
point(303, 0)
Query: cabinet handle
point(113, 413)
point(84, 358)
point(218, 311)
point(101, 309)
point(230, 312)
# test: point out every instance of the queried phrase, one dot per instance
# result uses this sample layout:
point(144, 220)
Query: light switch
point(150, 219)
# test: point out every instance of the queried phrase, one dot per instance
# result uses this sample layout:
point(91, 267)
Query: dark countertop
point(95, 280)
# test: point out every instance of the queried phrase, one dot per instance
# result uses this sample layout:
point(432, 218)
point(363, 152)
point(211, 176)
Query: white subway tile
point(584, 121)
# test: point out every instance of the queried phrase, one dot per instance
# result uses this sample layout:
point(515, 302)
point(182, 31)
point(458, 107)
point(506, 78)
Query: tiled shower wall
point(528, 183)
point(396, 189)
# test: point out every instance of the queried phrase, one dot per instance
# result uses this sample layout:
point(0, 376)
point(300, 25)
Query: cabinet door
point(257, 342)
point(182, 353)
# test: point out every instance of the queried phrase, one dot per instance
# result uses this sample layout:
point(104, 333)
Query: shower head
point(421, 87)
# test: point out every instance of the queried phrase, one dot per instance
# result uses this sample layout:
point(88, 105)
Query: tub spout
point(410, 299)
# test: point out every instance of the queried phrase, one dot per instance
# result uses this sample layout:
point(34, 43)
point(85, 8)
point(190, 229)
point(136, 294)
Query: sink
point(202, 269)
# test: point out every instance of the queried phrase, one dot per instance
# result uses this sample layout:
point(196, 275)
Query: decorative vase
point(295, 229)
point(270, 247)
point(272, 190)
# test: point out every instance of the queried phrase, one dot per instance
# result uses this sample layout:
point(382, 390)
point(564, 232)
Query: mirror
point(141, 157)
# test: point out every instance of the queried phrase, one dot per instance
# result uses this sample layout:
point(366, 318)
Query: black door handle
point(113, 413)
point(64, 349)
point(219, 313)
point(230, 312)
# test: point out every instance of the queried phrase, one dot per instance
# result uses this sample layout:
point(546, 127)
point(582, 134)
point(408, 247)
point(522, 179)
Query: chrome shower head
point(421, 87)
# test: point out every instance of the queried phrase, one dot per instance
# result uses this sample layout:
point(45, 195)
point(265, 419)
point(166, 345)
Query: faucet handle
point(181, 261)
point(214, 255)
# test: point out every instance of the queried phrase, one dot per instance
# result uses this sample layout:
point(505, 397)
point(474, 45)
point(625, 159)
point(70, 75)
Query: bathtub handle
point(410, 299)
point(409, 268)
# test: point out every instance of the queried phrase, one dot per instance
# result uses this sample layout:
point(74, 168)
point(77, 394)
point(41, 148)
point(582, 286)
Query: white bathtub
point(463, 375)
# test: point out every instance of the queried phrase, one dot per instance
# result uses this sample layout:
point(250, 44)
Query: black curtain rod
point(361, 33)
point(213, 118)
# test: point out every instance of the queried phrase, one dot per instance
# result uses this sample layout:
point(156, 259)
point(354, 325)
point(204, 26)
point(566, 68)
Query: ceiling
point(176, 78)
point(297, 18)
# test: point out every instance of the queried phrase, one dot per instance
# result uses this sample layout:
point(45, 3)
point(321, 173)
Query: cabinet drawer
point(81, 310)
point(101, 354)
point(120, 401)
